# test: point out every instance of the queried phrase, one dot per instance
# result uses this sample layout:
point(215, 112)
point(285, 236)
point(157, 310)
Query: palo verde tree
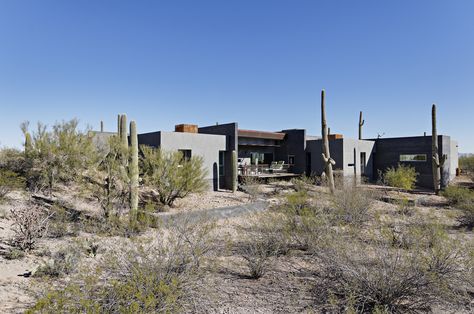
point(171, 175)
point(57, 154)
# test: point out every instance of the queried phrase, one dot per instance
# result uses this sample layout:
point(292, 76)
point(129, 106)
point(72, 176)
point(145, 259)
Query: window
point(186, 154)
point(291, 160)
point(221, 163)
point(413, 158)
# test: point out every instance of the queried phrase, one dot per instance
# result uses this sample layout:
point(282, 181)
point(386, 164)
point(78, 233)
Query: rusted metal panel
point(261, 134)
point(186, 128)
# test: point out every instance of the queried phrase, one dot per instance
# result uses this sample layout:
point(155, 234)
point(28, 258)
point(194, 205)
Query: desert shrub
point(63, 262)
point(139, 277)
point(378, 278)
point(403, 177)
point(61, 222)
point(304, 225)
point(252, 186)
point(257, 253)
point(13, 160)
point(57, 155)
point(303, 183)
point(351, 204)
point(171, 175)
point(9, 181)
point(405, 207)
point(463, 199)
point(415, 235)
point(458, 195)
point(13, 254)
point(466, 163)
point(30, 223)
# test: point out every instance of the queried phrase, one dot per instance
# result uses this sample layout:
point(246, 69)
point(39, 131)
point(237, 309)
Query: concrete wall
point(352, 149)
point(230, 130)
point(152, 139)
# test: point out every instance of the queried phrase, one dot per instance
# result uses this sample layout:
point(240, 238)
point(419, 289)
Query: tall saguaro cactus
point(28, 143)
point(437, 162)
point(133, 171)
point(123, 132)
point(119, 124)
point(328, 161)
point(234, 171)
point(361, 123)
point(101, 126)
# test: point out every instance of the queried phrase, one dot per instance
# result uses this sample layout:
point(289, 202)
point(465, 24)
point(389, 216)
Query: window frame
point(425, 159)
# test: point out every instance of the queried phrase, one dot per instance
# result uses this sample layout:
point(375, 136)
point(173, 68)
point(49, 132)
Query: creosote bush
point(402, 177)
point(463, 199)
point(351, 204)
point(9, 181)
point(172, 175)
point(63, 262)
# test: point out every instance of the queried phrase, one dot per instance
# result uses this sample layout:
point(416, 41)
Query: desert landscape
point(269, 247)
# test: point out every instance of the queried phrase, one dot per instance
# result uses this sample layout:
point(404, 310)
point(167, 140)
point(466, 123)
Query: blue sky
point(260, 63)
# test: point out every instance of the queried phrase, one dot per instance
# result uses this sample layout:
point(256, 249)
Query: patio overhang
point(279, 136)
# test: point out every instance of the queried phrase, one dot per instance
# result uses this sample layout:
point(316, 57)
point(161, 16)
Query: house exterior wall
point(293, 144)
point(230, 131)
point(315, 148)
point(204, 145)
point(388, 153)
point(352, 150)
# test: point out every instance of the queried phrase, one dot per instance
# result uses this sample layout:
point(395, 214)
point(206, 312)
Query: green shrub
point(13, 254)
point(466, 163)
point(257, 253)
point(171, 175)
point(63, 262)
point(162, 276)
point(458, 195)
point(403, 177)
point(9, 181)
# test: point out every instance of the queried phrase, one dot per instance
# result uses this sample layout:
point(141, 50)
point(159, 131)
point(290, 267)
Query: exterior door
point(363, 163)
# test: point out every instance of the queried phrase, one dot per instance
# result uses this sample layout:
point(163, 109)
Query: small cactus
point(234, 171)
point(133, 171)
point(437, 162)
point(361, 123)
point(328, 161)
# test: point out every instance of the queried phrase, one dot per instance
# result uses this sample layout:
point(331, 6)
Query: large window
point(413, 157)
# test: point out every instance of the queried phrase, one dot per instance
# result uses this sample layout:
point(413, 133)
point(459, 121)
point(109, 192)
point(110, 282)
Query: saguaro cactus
point(101, 126)
point(123, 132)
point(28, 143)
point(328, 161)
point(133, 171)
point(437, 162)
point(234, 171)
point(361, 123)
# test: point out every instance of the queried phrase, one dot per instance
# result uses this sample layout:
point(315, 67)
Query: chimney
point(186, 128)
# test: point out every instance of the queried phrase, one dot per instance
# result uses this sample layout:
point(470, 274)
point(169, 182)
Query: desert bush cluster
point(462, 198)
point(402, 177)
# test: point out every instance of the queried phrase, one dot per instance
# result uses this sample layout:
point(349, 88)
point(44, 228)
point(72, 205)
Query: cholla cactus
point(133, 171)
point(328, 161)
point(437, 162)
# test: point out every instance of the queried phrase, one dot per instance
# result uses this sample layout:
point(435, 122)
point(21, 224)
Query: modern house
point(292, 152)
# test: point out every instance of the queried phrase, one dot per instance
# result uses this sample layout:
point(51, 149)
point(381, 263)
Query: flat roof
point(261, 134)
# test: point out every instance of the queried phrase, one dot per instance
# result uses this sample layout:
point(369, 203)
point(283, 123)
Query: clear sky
point(260, 63)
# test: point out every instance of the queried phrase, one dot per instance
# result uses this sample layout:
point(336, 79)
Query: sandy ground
point(278, 291)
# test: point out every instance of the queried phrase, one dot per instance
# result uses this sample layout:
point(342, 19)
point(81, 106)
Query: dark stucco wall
point(294, 144)
point(150, 139)
point(230, 130)
point(315, 148)
point(388, 151)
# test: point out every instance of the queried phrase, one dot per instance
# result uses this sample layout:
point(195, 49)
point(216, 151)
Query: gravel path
point(218, 213)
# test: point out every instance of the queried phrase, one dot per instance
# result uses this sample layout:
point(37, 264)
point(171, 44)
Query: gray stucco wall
point(354, 148)
point(205, 145)
point(293, 144)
